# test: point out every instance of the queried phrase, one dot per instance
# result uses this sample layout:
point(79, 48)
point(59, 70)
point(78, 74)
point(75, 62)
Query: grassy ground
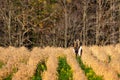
point(40, 68)
point(64, 70)
point(8, 77)
point(88, 71)
point(119, 75)
point(1, 64)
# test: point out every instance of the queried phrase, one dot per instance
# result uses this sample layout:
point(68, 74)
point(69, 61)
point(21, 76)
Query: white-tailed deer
point(77, 48)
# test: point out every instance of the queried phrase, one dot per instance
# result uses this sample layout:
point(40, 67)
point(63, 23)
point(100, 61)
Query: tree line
point(59, 22)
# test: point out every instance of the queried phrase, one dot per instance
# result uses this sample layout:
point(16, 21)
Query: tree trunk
point(66, 25)
point(112, 40)
point(98, 24)
point(9, 27)
point(119, 23)
point(84, 22)
point(119, 31)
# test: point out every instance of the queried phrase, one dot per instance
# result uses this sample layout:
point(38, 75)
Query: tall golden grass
point(22, 63)
point(99, 67)
point(5, 54)
point(27, 71)
point(14, 61)
point(78, 74)
point(99, 53)
point(52, 64)
point(114, 52)
point(109, 54)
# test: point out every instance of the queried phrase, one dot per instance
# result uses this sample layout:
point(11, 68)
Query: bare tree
point(112, 21)
point(59, 23)
point(66, 22)
point(6, 14)
point(84, 29)
point(98, 20)
point(119, 19)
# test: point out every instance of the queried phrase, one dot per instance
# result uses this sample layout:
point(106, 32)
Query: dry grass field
point(22, 64)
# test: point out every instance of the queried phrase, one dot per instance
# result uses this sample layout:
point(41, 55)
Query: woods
point(59, 22)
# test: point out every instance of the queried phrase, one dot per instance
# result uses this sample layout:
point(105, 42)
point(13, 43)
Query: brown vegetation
point(22, 63)
point(99, 67)
point(59, 22)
